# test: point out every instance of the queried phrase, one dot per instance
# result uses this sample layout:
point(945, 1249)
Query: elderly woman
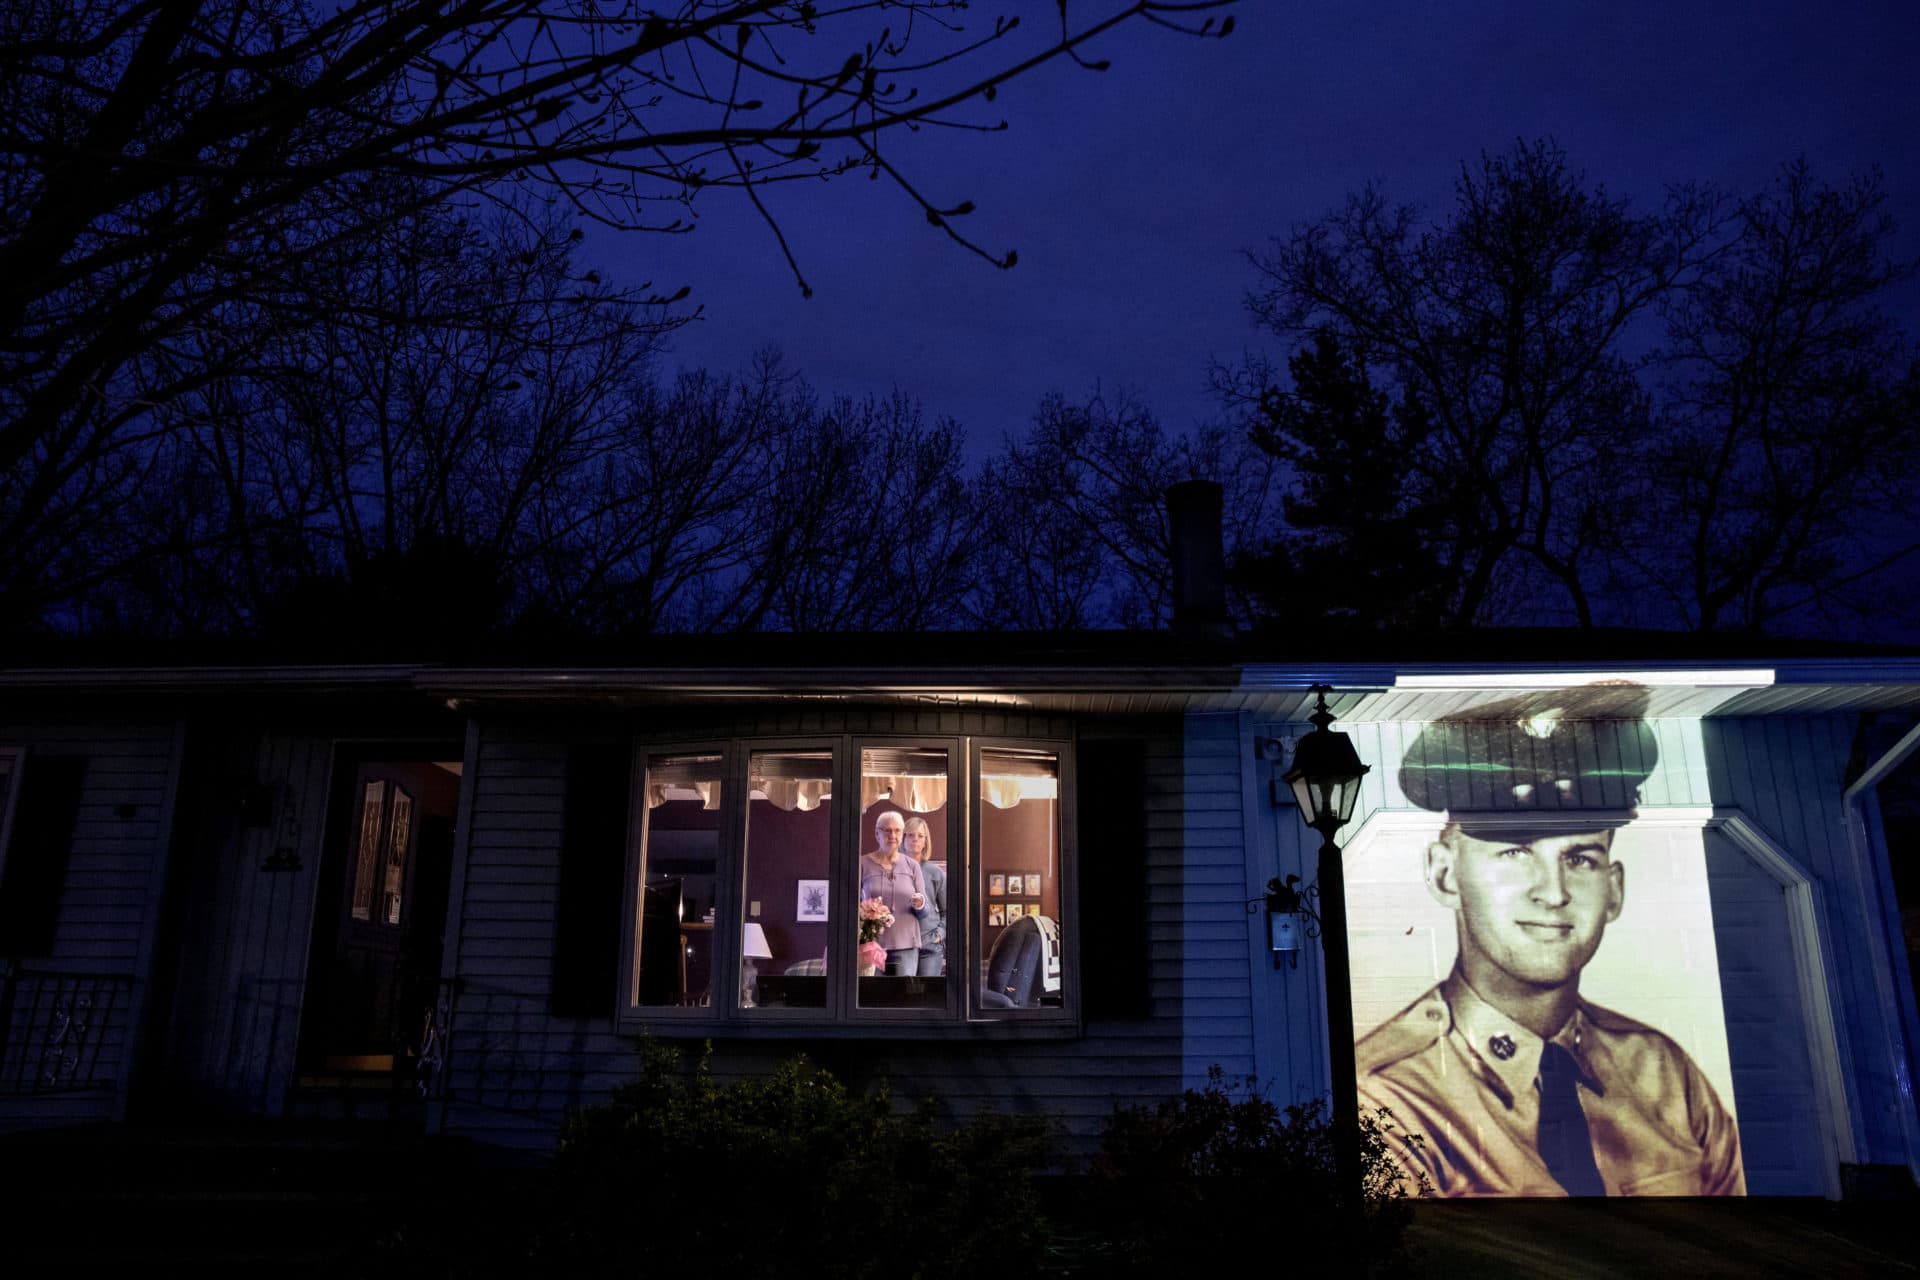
point(933, 924)
point(896, 881)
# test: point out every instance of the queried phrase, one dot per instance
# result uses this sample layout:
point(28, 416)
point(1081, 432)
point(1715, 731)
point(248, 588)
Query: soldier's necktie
point(1565, 1143)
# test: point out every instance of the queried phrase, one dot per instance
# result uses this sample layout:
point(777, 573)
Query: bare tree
point(1087, 485)
point(1038, 571)
point(1503, 327)
point(1789, 428)
point(171, 169)
point(449, 382)
point(889, 539)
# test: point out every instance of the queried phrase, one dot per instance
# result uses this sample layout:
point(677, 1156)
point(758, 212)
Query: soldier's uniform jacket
point(1464, 1076)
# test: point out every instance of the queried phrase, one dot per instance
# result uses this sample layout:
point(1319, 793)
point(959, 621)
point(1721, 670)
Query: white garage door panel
point(1702, 951)
point(1773, 1084)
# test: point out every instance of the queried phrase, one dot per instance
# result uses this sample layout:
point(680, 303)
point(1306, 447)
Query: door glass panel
point(901, 928)
point(401, 830)
point(373, 812)
point(786, 891)
point(1018, 899)
point(679, 873)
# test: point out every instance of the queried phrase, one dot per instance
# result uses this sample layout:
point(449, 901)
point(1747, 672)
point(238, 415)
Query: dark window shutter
point(49, 799)
point(593, 868)
point(1112, 813)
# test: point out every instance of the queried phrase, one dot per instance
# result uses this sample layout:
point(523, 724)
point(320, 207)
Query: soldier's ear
point(1440, 879)
point(1617, 886)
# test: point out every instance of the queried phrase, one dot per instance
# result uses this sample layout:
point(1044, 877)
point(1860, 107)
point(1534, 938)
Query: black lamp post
point(1325, 778)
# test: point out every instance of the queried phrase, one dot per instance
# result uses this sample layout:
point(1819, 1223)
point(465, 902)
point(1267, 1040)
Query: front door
point(373, 986)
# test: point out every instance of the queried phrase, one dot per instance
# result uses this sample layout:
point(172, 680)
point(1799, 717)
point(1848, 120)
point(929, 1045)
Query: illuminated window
point(935, 890)
point(678, 873)
point(787, 875)
point(1019, 917)
point(903, 788)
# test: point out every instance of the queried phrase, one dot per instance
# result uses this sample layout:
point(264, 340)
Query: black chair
point(1018, 973)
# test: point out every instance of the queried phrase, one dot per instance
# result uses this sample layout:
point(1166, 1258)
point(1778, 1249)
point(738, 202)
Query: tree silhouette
point(1789, 428)
point(1366, 517)
point(172, 172)
point(1544, 453)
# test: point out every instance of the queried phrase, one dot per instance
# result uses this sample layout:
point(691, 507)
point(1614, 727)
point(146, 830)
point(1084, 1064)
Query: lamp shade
point(1325, 777)
point(753, 943)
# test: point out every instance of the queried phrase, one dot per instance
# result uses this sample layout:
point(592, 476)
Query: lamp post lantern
point(1325, 778)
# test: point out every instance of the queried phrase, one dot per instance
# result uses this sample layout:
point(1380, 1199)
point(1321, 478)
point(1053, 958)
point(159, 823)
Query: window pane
point(1018, 904)
point(679, 875)
point(785, 890)
point(903, 799)
point(373, 808)
point(401, 830)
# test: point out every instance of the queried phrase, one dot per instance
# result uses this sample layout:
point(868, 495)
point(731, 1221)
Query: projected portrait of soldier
point(1518, 1086)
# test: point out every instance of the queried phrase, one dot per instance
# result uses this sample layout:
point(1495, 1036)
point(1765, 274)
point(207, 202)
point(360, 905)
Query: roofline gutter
point(440, 681)
point(740, 681)
point(387, 675)
point(1755, 674)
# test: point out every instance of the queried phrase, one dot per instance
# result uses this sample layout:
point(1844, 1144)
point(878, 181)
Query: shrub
point(1171, 1175)
point(792, 1174)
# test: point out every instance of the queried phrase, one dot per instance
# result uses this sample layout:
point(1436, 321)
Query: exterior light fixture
point(1325, 777)
point(1288, 918)
point(1326, 773)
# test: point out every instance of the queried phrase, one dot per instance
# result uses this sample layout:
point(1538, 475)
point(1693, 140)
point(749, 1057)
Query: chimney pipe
point(1199, 563)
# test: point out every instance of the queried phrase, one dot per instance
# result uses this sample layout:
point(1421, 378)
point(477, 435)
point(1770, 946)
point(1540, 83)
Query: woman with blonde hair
point(933, 922)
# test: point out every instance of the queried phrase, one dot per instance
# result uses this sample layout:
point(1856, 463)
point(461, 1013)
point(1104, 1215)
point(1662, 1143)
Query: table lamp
point(753, 946)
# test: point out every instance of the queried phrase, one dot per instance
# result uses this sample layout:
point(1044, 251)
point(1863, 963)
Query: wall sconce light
point(1290, 916)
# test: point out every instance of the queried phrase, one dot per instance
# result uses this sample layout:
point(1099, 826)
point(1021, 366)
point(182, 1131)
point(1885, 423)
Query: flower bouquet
point(874, 917)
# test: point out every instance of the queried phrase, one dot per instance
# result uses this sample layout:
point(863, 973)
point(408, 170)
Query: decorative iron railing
point(61, 1031)
point(436, 1043)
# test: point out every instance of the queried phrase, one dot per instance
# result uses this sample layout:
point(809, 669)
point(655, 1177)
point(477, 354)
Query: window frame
point(628, 1008)
point(956, 748)
point(734, 883)
point(962, 1017)
point(1066, 833)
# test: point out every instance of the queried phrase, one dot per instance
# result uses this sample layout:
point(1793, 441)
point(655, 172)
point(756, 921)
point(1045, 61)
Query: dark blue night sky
point(1131, 195)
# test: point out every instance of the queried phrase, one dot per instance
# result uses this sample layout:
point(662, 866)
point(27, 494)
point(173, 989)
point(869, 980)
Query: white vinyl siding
point(108, 897)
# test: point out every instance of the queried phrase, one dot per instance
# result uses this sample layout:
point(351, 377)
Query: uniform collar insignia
point(1575, 1041)
point(1507, 1053)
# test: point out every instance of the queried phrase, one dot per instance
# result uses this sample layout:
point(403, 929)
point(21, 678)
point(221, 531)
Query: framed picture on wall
point(812, 904)
point(1014, 911)
point(996, 885)
point(1014, 884)
point(996, 916)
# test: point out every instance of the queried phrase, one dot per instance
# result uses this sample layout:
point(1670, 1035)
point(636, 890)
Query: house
point(459, 893)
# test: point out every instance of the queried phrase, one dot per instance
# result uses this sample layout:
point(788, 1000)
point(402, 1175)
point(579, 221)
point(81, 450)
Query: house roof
point(1411, 677)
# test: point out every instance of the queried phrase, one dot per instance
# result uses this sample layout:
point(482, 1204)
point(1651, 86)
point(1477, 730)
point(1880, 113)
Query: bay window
point(935, 891)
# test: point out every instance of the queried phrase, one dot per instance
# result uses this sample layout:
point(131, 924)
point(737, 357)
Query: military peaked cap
point(1550, 751)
